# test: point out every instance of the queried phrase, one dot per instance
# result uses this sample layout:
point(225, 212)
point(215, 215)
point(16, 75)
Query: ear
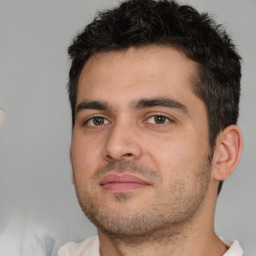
point(70, 159)
point(227, 152)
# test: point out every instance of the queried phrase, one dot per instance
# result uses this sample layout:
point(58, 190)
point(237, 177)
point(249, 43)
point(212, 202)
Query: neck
point(195, 242)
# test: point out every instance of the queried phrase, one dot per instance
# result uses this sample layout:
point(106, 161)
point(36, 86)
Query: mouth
point(124, 182)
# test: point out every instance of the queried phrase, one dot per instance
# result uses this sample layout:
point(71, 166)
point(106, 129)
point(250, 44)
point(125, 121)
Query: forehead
point(148, 71)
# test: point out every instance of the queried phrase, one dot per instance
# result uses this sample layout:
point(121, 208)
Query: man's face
point(140, 151)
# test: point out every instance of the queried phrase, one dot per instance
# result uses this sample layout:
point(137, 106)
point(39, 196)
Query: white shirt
point(234, 247)
point(90, 247)
point(19, 237)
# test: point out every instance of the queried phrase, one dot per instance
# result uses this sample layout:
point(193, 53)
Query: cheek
point(85, 154)
point(176, 154)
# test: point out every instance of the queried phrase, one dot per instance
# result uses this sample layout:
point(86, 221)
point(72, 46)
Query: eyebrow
point(162, 102)
point(139, 104)
point(97, 105)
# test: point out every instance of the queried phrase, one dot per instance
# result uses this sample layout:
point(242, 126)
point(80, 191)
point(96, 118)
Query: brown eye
point(97, 121)
point(160, 119)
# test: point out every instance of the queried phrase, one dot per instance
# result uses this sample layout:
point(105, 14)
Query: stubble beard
point(158, 221)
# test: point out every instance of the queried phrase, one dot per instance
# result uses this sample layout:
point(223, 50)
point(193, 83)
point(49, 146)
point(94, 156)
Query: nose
point(122, 143)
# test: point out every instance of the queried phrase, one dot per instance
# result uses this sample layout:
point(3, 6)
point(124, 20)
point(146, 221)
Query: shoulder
point(20, 237)
point(89, 247)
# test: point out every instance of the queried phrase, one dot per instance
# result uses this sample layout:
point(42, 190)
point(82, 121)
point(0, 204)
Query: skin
point(138, 116)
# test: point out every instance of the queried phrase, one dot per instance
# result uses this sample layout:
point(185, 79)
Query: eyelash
point(155, 116)
point(93, 118)
point(87, 121)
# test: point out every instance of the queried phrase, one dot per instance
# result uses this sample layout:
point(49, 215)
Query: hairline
point(196, 77)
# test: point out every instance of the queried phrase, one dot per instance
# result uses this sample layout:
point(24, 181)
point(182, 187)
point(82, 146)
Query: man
point(154, 90)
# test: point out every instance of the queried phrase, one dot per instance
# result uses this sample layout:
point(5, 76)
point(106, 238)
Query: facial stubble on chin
point(153, 221)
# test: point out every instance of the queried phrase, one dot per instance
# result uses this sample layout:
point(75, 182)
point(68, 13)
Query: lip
point(114, 182)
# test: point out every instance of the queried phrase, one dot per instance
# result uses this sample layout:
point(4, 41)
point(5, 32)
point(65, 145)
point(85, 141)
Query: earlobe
point(228, 150)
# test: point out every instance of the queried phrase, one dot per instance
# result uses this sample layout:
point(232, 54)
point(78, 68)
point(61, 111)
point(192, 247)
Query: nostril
point(127, 155)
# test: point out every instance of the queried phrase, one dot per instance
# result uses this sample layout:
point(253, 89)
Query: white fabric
point(19, 237)
point(234, 248)
point(90, 247)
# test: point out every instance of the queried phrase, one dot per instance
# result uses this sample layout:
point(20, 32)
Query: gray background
point(34, 145)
